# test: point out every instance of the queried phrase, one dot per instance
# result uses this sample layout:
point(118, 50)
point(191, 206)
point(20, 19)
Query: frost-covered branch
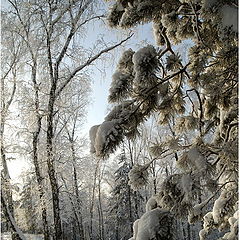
point(88, 62)
point(74, 28)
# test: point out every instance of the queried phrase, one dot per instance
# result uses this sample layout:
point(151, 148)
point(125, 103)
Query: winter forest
point(163, 163)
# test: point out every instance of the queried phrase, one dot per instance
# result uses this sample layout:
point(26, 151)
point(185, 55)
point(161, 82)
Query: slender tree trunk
point(130, 205)
point(93, 199)
point(189, 231)
point(135, 193)
point(184, 231)
point(154, 177)
point(40, 187)
point(101, 222)
point(35, 156)
point(75, 211)
point(6, 179)
point(51, 167)
point(79, 203)
point(6, 186)
point(117, 228)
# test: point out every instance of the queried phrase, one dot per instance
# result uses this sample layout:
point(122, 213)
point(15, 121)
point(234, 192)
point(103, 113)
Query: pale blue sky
point(101, 83)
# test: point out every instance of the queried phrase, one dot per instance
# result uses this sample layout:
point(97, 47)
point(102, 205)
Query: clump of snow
point(156, 150)
point(122, 78)
point(135, 229)
point(186, 123)
point(197, 159)
point(209, 3)
point(128, 17)
point(208, 221)
point(145, 63)
point(163, 90)
point(138, 176)
point(183, 162)
point(186, 185)
point(172, 196)
point(145, 57)
point(119, 79)
point(157, 33)
point(151, 204)
point(116, 12)
point(233, 234)
point(153, 224)
point(92, 135)
point(202, 234)
point(169, 20)
point(120, 111)
point(230, 150)
point(125, 63)
point(106, 136)
point(197, 211)
point(224, 207)
point(218, 207)
point(173, 62)
point(229, 17)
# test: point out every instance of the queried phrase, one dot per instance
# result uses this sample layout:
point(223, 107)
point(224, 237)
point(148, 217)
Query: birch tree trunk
point(79, 203)
point(100, 210)
point(78, 208)
point(92, 201)
point(51, 167)
point(35, 143)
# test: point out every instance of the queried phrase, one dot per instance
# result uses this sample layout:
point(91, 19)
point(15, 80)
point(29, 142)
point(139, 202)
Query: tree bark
point(75, 212)
point(79, 204)
point(93, 199)
point(35, 142)
point(75, 178)
point(101, 222)
point(50, 164)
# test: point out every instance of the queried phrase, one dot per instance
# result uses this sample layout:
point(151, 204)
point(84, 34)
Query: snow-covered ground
point(7, 236)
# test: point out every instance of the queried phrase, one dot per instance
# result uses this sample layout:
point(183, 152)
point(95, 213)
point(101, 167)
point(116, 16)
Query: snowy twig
point(200, 107)
point(193, 106)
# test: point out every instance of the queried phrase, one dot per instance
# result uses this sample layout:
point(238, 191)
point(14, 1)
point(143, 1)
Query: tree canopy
point(197, 98)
